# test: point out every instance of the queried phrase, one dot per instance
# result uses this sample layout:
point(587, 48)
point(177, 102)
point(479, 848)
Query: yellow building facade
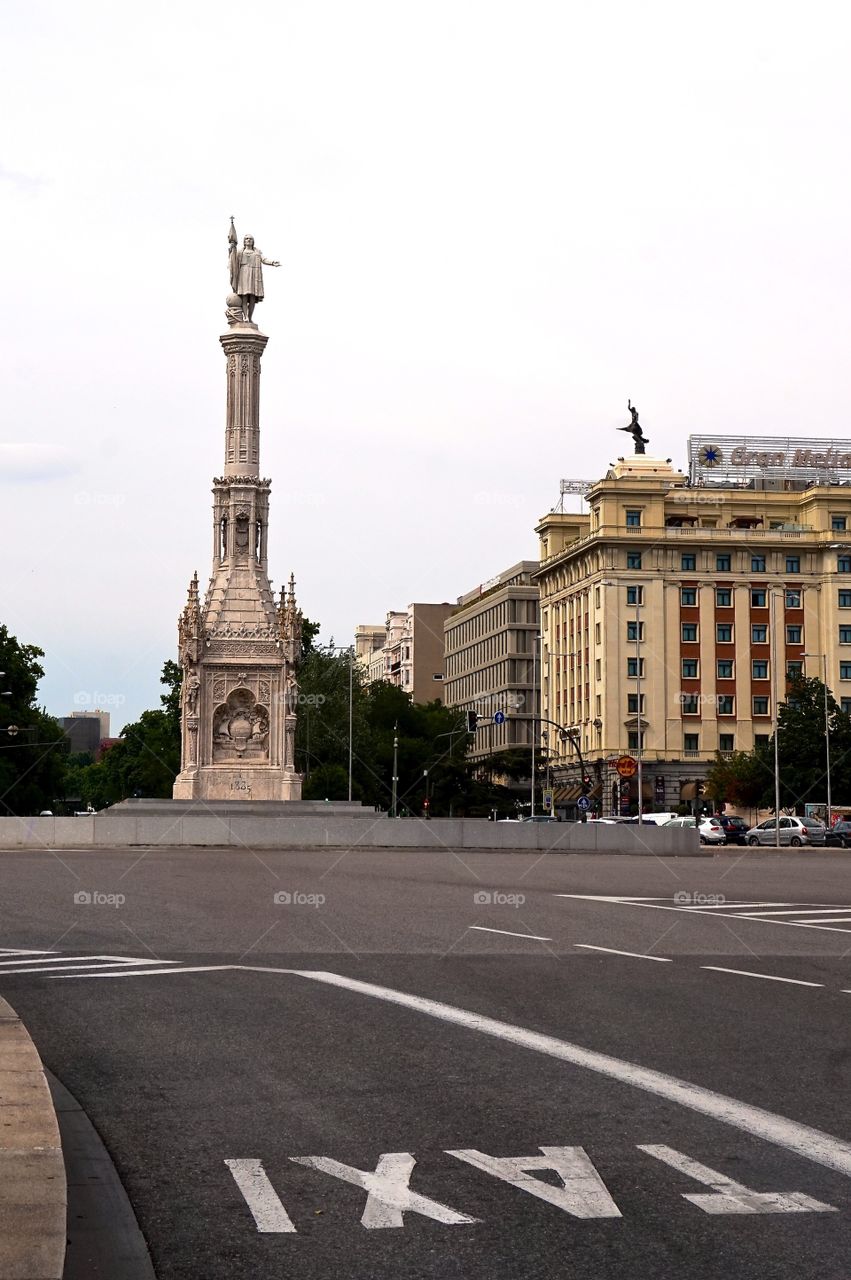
point(674, 609)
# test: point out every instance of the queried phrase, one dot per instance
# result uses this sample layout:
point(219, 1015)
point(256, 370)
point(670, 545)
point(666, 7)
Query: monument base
point(223, 782)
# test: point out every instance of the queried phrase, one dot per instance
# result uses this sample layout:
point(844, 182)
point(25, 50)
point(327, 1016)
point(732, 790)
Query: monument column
point(239, 649)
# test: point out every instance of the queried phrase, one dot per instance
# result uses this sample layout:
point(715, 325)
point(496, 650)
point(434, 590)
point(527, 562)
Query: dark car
point(839, 834)
point(735, 829)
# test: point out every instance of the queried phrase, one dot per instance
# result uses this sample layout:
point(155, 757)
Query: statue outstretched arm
point(268, 262)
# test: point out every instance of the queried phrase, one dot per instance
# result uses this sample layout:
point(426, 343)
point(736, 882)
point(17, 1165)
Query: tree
point(739, 779)
point(32, 762)
point(801, 747)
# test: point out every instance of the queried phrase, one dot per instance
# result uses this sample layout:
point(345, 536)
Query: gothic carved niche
point(240, 729)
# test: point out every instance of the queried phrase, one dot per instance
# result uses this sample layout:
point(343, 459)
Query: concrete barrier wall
point(107, 830)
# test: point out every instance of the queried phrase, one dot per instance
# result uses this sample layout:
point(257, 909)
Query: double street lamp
point(823, 657)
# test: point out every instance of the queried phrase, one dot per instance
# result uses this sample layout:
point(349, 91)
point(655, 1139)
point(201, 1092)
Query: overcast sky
point(496, 222)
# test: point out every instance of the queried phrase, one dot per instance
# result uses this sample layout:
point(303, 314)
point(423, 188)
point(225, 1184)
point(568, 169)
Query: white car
point(658, 818)
point(709, 829)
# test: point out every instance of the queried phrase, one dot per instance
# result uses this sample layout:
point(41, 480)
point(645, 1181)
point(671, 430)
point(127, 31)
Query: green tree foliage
point(32, 763)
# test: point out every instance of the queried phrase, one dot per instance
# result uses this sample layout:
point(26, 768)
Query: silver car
point(794, 831)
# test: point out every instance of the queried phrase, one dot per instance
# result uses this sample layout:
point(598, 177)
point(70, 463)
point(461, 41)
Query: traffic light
point(586, 784)
point(472, 721)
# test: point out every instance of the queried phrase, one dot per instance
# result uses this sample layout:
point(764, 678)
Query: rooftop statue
point(635, 430)
point(246, 277)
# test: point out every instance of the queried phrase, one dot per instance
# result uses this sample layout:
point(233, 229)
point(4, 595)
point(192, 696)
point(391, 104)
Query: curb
point(33, 1193)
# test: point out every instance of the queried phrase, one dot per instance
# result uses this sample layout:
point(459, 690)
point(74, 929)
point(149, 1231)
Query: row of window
point(724, 597)
point(759, 633)
point(838, 524)
point(724, 669)
point(723, 563)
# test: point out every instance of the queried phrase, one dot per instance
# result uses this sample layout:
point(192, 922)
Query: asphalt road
point(373, 1076)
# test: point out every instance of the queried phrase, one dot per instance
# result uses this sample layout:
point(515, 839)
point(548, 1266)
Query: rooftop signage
point(733, 459)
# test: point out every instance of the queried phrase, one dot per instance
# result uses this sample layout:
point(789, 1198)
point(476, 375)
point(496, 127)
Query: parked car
point(839, 834)
point(658, 818)
point(794, 831)
point(539, 817)
point(735, 829)
point(709, 830)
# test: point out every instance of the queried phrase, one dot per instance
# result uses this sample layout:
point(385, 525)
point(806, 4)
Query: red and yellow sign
point(627, 766)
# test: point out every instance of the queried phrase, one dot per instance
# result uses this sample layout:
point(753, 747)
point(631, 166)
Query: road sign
point(499, 717)
point(12, 730)
point(583, 803)
point(627, 766)
point(548, 800)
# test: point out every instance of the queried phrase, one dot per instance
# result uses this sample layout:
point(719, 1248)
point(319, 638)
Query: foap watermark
point(82, 698)
point(302, 699)
point(493, 498)
point(685, 899)
point(283, 898)
point(699, 498)
point(85, 498)
point(94, 898)
point(496, 898)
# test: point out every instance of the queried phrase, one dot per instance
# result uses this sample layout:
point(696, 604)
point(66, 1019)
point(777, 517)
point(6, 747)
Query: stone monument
point(238, 648)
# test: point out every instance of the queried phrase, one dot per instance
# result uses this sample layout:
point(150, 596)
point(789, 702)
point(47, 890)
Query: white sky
point(496, 222)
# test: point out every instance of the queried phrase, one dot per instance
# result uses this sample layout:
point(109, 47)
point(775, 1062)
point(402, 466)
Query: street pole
point(351, 665)
point(775, 721)
point(638, 700)
point(535, 696)
point(395, 766)
point(823, 657)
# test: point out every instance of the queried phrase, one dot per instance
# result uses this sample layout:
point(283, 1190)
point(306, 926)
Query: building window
point(843, 564)
point(759, 669)
point(598, 670)
point(758, 599)
point(688, 596)
point(760, 706)
point(794, 670)
point(845, 599)
point(725, 669)
point(725, 704)
point(724, 633)
point(689, 668)
point(759, 635)
point(722, 564)
point(845, 635)
point(688, 561)
point(632, 704)
point(633, 519)
point(634, 667)
point(635, 595)
point(845, 671)
point(793, 564)
point(723, 597)
point(839, 524)
point(760, 739)
point(757, 564)
point(596, 597)
point(793, 599)
point(793, 634)
point(689, 630)
point(689, 703)
point(845, 706)
point(597, 633)
point(633, 559)
point(726, 742)
point(691, 742)
point(635, 631)
point(635, 740)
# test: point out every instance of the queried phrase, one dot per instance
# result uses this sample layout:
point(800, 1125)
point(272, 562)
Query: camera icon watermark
point(685, 899)
point(495, 898)
point(83, 898)
point(298, 899)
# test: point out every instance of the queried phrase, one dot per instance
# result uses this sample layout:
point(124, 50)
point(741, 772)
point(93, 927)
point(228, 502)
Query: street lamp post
point(395, 767)
point(774, 718)
point(351, 651)
point(638, 754)
point(823, 657)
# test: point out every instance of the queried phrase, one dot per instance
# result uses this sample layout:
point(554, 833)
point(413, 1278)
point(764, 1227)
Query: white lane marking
point(801, 910)
point(389, 1195)
point(731, 1197)
point(533, 936)
point(67, 959)
point(637, 955)
point(657, 904)
point(724, 906)
point(812, 1144)
point(122, 968)
point(147, 973)
point(582, 1193)
point(830, 920)
point(260, 1196)
point(769, 977)
point(16, 951)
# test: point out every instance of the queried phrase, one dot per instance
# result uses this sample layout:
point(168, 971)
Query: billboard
point(739, 459)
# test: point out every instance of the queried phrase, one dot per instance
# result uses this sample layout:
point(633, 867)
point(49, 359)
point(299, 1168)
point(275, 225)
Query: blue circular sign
point(583, 802)
point(499, 717)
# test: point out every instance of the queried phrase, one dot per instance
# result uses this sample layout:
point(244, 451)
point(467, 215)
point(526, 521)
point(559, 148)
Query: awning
point(567, 795)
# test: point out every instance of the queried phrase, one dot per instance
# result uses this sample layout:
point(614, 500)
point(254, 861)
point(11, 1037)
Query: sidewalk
point(32, 1173)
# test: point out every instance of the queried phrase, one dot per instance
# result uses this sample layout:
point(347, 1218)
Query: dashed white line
point(533, 937)
point(636, 955)
point(769, 977)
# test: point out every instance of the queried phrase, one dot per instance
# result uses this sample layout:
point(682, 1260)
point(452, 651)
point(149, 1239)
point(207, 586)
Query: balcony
point(622, 534)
